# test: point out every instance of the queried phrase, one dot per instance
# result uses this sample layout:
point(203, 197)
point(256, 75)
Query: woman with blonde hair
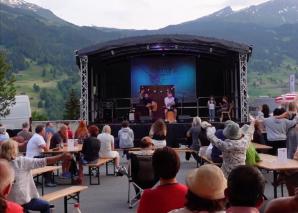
point(82, 132)
point(158, 133)
point(23, 190)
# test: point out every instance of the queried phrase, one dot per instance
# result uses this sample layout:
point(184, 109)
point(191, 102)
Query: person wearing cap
point(234, 146)
point(169, 194)
point(245, 190)
point(206, 186)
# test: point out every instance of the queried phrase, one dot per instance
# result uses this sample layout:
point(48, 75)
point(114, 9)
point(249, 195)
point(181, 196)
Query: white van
point(19, 113)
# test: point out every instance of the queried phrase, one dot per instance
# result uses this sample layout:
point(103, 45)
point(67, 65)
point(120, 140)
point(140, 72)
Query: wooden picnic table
point(259, 146)
point(40, 171)
point(271, 163)
point(76, 149)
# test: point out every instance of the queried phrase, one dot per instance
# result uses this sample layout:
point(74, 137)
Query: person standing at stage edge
point(211, 108)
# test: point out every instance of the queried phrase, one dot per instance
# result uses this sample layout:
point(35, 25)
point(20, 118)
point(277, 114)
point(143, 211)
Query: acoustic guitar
point(152, 106)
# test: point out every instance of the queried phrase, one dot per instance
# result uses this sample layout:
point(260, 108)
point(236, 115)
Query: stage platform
point(176, 132)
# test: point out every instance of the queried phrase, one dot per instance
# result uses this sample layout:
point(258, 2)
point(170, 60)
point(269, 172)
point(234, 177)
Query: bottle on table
point(76, 208)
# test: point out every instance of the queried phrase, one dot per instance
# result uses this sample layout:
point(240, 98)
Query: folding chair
point(140, 176)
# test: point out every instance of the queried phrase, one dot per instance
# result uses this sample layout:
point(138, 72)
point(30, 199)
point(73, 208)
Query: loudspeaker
point(145, 119)
point(184, 119)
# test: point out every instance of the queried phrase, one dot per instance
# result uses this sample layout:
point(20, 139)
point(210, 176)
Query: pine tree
point(7, 89)
point(72, 106)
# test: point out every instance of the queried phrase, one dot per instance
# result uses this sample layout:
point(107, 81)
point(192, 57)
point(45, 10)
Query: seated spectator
point(58, 140)
point(258, 136)
point(6, 181)
point(206, 187)
point(245, 190)
point(291, 178)
point(146, 146)
point(82, 132)
point(3, 134)
point(126, 137)
point(90, 150)
point(283, 204)
point(25, 134)
point(69, 131)
point(23, 190)
point(158, 133)
point(166, 164)
point(277, 129)
point(107, 147)
point(49, 129)
point(234, 146)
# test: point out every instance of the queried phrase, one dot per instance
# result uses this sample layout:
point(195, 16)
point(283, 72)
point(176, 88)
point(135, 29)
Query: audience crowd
point(236, 186)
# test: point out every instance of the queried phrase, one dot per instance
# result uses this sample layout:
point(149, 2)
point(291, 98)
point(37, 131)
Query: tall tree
point(72, 106)
point(7, 89)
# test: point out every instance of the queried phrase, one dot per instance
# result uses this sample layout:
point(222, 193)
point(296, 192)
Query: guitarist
point(149, 103)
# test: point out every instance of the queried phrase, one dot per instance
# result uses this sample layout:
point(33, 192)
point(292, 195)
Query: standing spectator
point(90, 150)
point(6, 181)
point(69, 131)
point(24, 191)
point(158, 133)
point(211, 108)
point(245, 191)
point(277, 129)
point(194, 133)
point(82, 132)
point(206, 187)
point(107, 148)
point(126, 137)
point(166, 164)
point(234, 146)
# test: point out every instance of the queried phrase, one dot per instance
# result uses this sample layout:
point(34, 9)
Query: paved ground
point(111, 195)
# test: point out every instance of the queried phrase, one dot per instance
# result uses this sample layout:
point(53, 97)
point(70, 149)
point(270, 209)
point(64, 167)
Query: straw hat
point(232, 131)
point(207, 182)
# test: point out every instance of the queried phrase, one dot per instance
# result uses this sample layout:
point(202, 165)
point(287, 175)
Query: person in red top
point(166, 164)
point(69, 131)
point(6, 180)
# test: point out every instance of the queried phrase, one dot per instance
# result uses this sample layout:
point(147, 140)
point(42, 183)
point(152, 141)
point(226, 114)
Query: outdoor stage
point(113, 72)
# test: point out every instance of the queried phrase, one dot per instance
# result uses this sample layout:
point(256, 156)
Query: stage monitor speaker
point(145, 119)
point(184, 119)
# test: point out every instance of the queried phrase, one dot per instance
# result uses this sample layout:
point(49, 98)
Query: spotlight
point(112, 52)
point(211, 50)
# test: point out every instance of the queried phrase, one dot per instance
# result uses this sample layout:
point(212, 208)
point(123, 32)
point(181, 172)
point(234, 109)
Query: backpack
point(125, 140)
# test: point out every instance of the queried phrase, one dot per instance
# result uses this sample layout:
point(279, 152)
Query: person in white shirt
point(107, 146)
point(170, 103)
point(211, 108)
point(23, 190)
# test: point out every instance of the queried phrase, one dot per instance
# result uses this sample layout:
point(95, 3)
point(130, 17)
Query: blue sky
point(137, 14)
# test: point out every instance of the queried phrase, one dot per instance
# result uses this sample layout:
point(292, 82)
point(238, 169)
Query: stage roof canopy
point(167, 43)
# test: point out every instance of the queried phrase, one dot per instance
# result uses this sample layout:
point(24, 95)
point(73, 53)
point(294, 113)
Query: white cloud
point(136, 14)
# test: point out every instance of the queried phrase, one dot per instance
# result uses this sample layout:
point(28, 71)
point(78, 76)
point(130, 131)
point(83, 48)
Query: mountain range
point(35, 39)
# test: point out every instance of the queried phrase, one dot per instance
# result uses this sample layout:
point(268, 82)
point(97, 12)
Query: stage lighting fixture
point(211, 50)
point(147, 47)
point(112, 52)
point(176, 46)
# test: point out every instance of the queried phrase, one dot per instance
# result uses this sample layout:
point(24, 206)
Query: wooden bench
point(72, 192)
point(94, 167)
